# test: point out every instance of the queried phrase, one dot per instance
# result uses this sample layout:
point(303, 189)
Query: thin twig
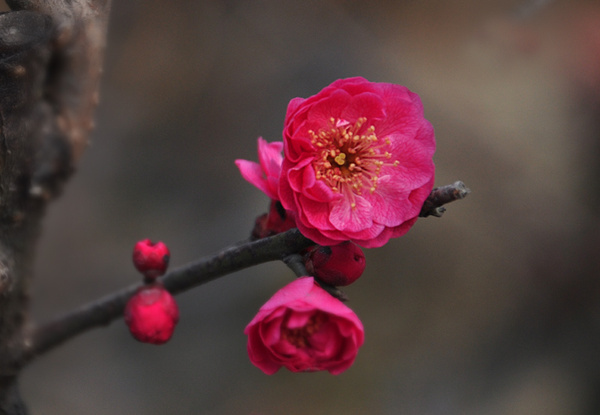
point(440, 196)
point(106, 309)
point(295, 263)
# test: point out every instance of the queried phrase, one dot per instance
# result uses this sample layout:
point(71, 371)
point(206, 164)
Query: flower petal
point(253, 173)
point(346, 217)
point(366, 104)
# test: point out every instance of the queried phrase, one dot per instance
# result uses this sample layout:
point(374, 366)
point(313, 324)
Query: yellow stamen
point(340, 159)
point(349, 157)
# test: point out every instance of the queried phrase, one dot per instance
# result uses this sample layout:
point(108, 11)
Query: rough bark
point(50, 60)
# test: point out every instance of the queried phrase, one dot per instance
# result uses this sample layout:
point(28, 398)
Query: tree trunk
point(50, 64)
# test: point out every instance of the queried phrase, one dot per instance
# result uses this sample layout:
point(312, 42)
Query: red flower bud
point(151, 259)
point(338, 265)
point(276, 221)
point(151, 314)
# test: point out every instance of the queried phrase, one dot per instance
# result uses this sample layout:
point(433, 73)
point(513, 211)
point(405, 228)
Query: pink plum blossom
point(304, 328)
point(265, 175)
point(358, 162)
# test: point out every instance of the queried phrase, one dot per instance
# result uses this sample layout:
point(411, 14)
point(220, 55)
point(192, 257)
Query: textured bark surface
point(50, 60)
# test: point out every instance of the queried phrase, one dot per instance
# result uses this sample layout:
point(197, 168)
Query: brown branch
point(284, 247)
point(105, 310)
point(440, 196)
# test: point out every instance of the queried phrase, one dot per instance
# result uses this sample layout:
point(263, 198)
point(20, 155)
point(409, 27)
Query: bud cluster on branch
point(354, 170)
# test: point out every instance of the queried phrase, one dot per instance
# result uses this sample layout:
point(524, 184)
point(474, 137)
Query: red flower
point(151, 314)
point(304, 328)
point(358, 162)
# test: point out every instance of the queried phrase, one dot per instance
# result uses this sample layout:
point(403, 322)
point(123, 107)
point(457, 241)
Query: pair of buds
point(151, 313)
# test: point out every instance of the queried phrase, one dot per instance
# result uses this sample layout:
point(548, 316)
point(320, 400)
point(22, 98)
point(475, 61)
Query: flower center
point(299, 337)
point(349, 157)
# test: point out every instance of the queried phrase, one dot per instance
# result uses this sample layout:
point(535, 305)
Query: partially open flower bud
point(151, 259)
point(151, 314)
point(338, 265)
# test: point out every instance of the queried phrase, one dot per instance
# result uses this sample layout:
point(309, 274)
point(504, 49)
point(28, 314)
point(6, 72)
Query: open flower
point(358, 162)
point(265, 175)
point(304, 328)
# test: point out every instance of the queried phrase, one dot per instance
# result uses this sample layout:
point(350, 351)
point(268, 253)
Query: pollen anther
point(349, 157)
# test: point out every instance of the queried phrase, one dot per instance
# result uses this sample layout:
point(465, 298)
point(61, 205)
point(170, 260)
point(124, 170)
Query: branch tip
point(461, 189)
point(440, 196)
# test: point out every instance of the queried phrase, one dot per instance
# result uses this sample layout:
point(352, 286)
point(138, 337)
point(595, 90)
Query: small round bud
point(151, 259)
point(151, 314)
point(337, 265)
point(276, 221)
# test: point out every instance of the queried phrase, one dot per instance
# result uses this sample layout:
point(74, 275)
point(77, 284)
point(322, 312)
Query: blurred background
point(492, 309)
